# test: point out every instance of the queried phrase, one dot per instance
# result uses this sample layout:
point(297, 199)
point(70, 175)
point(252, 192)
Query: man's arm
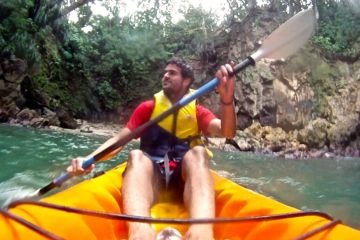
point(226, 126)
point(140, 115)
point(120, 135)
point(76, 164)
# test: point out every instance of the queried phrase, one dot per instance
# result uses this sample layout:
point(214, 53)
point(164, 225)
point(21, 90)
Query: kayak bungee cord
point(30, 225)
point(124, 217)
point(318, 230)
point(118, 216)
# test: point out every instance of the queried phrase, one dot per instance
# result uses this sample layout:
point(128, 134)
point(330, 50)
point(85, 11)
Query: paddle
point(285, 40)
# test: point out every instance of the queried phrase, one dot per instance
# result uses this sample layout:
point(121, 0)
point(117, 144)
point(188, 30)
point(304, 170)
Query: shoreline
point(91, 128)
point(98, 129)
point(109, 129)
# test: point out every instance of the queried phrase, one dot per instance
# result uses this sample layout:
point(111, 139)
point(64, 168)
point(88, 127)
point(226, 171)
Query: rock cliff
point(307, 102)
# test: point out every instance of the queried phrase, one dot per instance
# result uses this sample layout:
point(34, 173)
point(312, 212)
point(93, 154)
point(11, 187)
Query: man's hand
point(226, 86)
point(76, 169)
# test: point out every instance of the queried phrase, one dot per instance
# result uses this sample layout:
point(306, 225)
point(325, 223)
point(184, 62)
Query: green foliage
point(323, 82)
point(322, 75)
point(125, 54)
point(324, 79)
point(101, 62)
point(194, 35)
point(108, 95)
point(84, 16)
point(339, 28)
point(115, 63)
point(58, 94)
point(17, 31)
point(2, 42)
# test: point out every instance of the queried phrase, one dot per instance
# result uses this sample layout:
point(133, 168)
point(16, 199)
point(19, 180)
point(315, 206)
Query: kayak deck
point(102, 194)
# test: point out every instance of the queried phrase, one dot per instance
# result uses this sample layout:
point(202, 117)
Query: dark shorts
point(176, 179)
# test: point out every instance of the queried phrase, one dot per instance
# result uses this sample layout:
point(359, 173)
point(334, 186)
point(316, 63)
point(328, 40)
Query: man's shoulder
point(149, 102)
point(201, 108)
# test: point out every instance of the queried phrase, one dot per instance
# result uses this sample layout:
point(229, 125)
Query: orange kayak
point(257, 217)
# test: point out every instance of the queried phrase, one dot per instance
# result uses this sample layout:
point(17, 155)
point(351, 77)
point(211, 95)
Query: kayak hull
point(103, 194)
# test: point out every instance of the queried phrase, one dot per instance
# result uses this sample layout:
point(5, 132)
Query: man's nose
point(166, 75)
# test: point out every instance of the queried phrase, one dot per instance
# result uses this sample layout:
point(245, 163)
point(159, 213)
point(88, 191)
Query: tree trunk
point(68, 9)
point(34, 10)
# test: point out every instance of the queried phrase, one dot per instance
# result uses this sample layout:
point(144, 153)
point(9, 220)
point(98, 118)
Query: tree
point(192, 36)
point(339, 29)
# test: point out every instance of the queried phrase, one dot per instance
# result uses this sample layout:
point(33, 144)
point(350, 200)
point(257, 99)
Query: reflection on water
point(32, 158)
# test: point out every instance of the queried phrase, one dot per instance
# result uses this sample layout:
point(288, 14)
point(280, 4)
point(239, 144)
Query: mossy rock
point(315, 134)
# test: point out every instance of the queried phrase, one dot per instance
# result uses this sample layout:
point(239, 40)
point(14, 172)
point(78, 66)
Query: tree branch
point(74, 6)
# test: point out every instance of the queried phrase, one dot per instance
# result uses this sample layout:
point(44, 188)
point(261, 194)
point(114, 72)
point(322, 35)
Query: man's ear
point(187, 82)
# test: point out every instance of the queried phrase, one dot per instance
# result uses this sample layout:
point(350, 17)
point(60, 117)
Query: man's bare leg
point(139, 191)
point(198, 192)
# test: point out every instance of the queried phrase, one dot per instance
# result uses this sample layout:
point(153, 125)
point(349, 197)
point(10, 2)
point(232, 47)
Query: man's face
point(172, 80)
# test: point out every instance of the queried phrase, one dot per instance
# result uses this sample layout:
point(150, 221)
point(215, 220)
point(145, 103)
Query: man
point(171, 152)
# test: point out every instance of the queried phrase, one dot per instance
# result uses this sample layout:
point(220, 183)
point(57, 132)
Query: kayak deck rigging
point(124, 217)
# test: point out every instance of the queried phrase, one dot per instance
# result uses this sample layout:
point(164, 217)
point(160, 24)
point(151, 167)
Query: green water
point(30, 159)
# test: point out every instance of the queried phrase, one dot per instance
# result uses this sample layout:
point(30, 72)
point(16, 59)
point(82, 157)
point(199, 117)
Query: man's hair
point(186, 70)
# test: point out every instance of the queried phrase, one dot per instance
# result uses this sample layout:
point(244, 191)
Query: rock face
point(21, 104)
point(12, 72)
point(315, 101)
point(287, 95)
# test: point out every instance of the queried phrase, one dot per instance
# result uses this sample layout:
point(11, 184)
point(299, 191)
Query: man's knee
point(197, 157)
point(137, 159)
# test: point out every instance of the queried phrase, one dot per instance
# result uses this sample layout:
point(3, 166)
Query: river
point(31, 158)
